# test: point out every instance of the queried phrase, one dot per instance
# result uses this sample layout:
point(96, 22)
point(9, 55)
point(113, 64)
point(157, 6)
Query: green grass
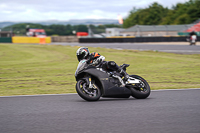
point(49, 69)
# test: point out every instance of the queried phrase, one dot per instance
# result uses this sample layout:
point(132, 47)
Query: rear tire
point(88, 94)
point(140, 91)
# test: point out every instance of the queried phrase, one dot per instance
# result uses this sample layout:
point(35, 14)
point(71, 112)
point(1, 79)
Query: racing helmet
point(82, 53)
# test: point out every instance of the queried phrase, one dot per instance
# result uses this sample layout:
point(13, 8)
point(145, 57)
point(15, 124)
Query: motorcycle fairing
point(108, 88)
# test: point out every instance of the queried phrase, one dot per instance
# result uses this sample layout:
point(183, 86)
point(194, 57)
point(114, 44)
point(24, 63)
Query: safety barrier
point(64, 38)
point(19, 39)
point(5, 40)
point(134, 39)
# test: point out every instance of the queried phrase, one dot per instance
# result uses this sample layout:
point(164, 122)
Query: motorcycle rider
point(98, 60)
point(192, 37)
point(192, 33)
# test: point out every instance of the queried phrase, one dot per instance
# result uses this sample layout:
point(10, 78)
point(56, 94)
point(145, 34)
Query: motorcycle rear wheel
point(141, 90)
point(88, 94)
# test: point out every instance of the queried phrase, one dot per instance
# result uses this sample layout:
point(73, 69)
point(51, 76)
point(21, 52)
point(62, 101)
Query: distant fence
point(19, 39)
point(136, 39)
point(64, 39)
point(5, 40)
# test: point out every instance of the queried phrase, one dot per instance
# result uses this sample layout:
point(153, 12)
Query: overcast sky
point(39, 10)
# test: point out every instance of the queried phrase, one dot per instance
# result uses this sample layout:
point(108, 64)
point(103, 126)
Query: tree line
point(57, 29)
point(156, 14)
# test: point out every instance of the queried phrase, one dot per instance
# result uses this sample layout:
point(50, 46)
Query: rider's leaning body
point(97, 59)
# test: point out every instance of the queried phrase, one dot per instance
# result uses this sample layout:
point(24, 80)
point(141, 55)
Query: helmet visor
point(80, 57)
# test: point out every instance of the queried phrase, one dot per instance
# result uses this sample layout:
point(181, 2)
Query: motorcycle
point(94, 82)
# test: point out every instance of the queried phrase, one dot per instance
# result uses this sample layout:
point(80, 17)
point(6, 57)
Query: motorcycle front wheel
point(88, 94)
point(141, 90)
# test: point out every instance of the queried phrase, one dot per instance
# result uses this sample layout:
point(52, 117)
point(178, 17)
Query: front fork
point(90, 83)
point(88, 80)
point(89, 88)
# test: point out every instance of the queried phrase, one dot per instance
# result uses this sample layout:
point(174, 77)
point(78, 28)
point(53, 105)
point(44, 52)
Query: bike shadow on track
point(114, 99)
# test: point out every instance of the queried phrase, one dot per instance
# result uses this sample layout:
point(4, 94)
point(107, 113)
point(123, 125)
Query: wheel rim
point(91, 92)
point(141, 86)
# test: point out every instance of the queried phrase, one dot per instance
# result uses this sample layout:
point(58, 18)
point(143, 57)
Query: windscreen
point(82, 64)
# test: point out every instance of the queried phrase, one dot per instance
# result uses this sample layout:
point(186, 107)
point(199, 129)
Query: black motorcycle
point(94, 82)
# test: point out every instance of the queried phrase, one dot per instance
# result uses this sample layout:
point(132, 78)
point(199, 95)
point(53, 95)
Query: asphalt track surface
point(169, 111)
point(180, 48)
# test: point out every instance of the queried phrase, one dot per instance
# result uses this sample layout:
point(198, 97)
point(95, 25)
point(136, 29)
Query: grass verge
point(49, 69)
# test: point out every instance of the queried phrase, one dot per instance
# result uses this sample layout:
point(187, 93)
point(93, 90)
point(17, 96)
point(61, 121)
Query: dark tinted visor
point(80, 57)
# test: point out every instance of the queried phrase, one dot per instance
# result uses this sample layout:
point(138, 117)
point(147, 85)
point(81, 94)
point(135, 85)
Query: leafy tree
point(193, 10)
point(150, 16)
point(80, 28)
point(156, 14)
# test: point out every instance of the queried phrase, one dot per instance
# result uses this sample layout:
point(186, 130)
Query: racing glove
point(96, 61)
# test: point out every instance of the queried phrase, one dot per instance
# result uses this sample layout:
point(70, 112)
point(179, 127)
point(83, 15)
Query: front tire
point(88, 94)
point(141, 90)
